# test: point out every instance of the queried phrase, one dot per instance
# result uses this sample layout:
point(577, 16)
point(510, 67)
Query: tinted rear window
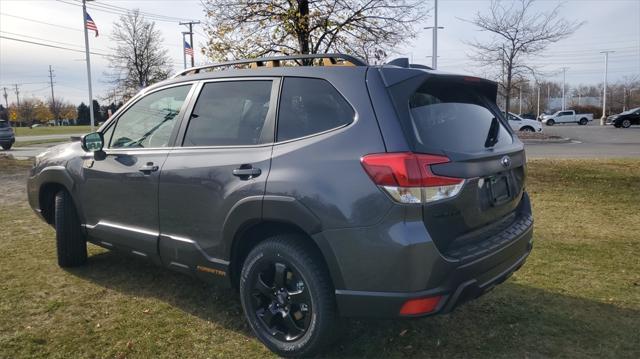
point(451, 116)
point(309, 106)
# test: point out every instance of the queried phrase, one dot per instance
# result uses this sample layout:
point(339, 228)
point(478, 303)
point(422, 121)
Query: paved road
point(592, 141)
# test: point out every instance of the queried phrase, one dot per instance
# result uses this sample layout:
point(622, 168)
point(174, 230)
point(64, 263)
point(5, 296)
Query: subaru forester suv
point(319, 186)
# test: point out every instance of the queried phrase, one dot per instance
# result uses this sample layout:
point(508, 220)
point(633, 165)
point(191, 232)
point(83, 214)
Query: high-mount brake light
point(407, 176)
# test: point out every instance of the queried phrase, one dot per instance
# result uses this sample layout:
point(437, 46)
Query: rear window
point(454, 117)
point(4, 124)
point(309, 106)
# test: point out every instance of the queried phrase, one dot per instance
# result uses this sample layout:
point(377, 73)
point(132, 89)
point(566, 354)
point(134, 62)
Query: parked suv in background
point(518, 123)
point(7, 136)
point(328, 190)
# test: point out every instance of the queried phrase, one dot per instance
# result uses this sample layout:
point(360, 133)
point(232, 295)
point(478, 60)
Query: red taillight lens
point(405, 169)
point(408, 178)
point(420, 306)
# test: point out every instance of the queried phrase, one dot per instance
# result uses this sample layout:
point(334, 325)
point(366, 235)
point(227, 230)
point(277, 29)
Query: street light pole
point(88, 60)
point(435, 27)
point(604, 88)
point(564, 79)
point(538, 114)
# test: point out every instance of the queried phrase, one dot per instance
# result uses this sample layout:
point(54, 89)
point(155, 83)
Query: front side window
point(309, 106)
point(230, 113)
point(150, 121)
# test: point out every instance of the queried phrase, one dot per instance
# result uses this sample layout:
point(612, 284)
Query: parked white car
point(567, 116)
point(518, 123)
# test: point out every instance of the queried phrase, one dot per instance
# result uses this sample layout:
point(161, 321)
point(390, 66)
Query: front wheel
point(70, 241)
point(626, 123)
point(550, 122)
point(7, 147)
point(583, 121)
point(287, 296)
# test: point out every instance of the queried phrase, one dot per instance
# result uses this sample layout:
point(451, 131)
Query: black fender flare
point(281, 209)
point(58, 175)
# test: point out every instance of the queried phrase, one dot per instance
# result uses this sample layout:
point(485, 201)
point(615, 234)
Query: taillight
point(407, 176)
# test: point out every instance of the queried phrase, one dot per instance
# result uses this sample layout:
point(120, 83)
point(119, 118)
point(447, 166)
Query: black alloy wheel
point(626, 123)
point(281, 301)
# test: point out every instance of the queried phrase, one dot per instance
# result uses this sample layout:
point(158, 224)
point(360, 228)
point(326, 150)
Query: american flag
point(89, 24)
point(188, 49)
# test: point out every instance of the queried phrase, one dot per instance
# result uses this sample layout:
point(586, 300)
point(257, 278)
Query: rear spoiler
point(414, 77)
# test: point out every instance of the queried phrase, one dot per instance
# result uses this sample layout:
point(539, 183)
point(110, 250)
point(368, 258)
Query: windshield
point(455, 117)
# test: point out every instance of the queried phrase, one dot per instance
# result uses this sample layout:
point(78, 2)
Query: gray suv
point(319, 186)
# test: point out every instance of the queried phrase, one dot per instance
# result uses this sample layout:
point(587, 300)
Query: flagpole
point(184, 51)
point(88, 60)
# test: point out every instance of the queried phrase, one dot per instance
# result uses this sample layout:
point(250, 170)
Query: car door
point(220, 170)
point(514, 122)
point(119, 189)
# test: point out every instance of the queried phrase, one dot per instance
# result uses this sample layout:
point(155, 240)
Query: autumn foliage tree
point(254, 28)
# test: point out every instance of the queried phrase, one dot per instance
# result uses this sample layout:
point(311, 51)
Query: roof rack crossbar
point(275, 61)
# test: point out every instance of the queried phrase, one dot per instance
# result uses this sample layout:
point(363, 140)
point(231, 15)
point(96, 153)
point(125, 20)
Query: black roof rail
point(274, 61)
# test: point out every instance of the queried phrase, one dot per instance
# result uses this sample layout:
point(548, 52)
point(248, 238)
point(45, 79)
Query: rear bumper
point(7, 140)
point(465, 282)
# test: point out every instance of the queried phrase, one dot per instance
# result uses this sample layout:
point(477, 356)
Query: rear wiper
point(492, 136)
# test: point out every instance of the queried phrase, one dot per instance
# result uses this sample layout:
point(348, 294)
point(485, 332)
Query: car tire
point(7, 147)
point(527, 129)
point(289, 324)
point(550, 122)
point(71, 243)
point(583, 121)
point(626, 123)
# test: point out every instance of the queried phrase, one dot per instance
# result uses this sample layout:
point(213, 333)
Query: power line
point(52, 46)
point(43, 39)
point(40, 22)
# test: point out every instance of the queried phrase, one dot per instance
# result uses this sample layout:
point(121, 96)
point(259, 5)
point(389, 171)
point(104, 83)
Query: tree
point(517, 33)
point(83, 114)
point(139, 59)
point(27, 110)
point(254, 28)
point(42, 113)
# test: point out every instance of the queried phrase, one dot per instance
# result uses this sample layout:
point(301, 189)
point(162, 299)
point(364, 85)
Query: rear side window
point(309, 106)
point(229, 113)
point(454, 117)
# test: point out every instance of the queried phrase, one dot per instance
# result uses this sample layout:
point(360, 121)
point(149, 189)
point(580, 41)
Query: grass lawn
point(38, 142)
point(53, 130)
point(577, 296)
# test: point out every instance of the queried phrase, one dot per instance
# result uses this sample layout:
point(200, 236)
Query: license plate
point(499, 189)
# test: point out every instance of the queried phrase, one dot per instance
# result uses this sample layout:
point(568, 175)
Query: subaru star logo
point(505, 161)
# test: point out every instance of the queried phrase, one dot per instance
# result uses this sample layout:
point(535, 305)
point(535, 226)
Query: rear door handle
point(148, 168)
point(246, 172)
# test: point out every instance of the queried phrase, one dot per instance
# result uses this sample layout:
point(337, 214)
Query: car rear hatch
point(476, 165)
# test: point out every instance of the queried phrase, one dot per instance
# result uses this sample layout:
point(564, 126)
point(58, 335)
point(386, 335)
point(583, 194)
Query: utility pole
point(88, 60)
point(53, 99)
point(17, 94)
point(6, 101)
point(190, 24)
point(604, 95)
point(624, 99)
point(564, 79)
point(435, 27)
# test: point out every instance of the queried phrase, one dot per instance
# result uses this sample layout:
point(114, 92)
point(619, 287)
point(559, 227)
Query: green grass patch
point(578, 295)
point(51, 130)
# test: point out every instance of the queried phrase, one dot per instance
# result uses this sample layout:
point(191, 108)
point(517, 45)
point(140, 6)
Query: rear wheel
point(550, 122)
point(70, 241)
point(527, 129)
point(287, 297)
point(7, 147)
point(626, 123)
point(583, 121)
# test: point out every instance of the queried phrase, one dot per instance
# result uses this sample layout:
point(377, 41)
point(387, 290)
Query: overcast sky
point(610, 25)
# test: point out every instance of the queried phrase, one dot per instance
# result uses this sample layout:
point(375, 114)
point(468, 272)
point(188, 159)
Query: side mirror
point(92, 142)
